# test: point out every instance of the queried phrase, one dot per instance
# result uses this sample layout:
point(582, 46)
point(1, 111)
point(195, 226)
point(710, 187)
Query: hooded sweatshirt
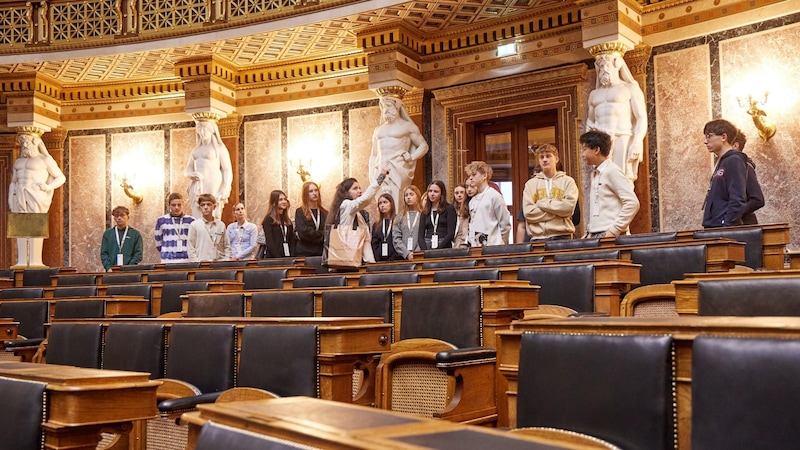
point(548, 205)
point(727, 194)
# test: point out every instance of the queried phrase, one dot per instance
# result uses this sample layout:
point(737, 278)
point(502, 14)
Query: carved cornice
point(637, 58)
point(54, 139)
point(231, 125)
point(510, 86)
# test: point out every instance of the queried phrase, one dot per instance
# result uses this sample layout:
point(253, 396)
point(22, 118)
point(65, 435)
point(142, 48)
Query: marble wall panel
point(751, 65)
point(87, 201)
point(683, 105)
point(438, 148)
point(182, 142)
point(363, 122)
point(263, 165)
point(140, 154)
point(316, 139)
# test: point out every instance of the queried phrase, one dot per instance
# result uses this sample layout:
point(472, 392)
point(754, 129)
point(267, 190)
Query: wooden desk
point(83, 402)
point(330, 425)
point(682, 329)
point(115, 304)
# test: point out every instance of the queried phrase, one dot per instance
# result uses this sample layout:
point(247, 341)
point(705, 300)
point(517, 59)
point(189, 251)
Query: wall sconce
point(120, 172)
point(128, 190)
point(303, 164)
point(766, 129)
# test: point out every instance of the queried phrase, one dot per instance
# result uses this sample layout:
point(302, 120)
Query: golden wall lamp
point(129, 191)
point(766, 129)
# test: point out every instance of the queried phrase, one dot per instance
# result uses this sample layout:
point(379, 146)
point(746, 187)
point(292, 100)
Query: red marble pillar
point(53, 248)
point(229, 130)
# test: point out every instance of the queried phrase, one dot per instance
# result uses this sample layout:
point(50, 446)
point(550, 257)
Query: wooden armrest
point(566, 436)
point(244, 393)
point(171, 388)
point(644, 293)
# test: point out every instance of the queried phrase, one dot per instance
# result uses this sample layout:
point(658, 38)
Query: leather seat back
point(23, 413)
point(662, 265)
point(75, 344)
point(202, 355)
point(264, 278)
point(282, 304)
point(379, 279)
point(450, 314)
point(568, 285)
point(752, 238)
point(31, 317)
point(75, 291)
point(749, 297)
point(354, 303)
point(449, 276)
point(616, 388)
point(80, 309)
point(135, 347)
point(216, 305)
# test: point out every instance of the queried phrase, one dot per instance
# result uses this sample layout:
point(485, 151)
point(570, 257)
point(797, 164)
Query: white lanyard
point(180, 222)
point(386, 229)
point(315, 219)
point(411, 226)
point(119, 243)
point(435, 220)
point(283, 232)
point(548, 182)
point(239, 232)
point(285, 242)
point(209, 225)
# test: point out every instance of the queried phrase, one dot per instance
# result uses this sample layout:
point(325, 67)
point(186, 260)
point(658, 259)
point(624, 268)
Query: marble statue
point(35, 175)
point(617, 107)
point(209, 168)
point(397, 144)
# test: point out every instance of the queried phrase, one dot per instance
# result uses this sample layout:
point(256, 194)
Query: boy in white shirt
point(612, 202)
point(489, 222)
point(208, 240)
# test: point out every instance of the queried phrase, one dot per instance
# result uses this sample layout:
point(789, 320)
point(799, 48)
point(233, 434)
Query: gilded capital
point(206, 116)
point(30, 130)
point(230, 125)
point(607, 48)
point(391, 91)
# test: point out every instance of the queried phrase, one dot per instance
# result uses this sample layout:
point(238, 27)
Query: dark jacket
point(445, 229)
point(727, 194)
point(309, 238)
point(274, 236)
point(755, 198)
point(378, 238)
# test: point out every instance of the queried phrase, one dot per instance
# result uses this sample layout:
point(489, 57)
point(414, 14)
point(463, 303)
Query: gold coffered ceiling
point(325, 38)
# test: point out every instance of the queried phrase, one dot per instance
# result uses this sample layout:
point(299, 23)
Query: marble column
point(229, 129)
point(53, 250)
point(643, 222)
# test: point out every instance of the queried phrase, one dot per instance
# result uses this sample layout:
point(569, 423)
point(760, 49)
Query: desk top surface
point(57, 375)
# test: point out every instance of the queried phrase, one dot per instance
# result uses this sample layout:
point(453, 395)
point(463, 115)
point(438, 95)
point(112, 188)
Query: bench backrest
point(566, 244)
point(646, 238)
point(264, 278)
point(75, 344)
point(77, 279)
point(282, 304)
point(31, 317)
point(202, 275)
point(320, 281)
point(280, 358)
point(749, 297)
point(451, 264)
point(171, 294)
point(23, 292)
point(23, 413)
point(451, 314)
point(80, 309)
point(585, 256)
point(449, 276)
point(355, 303)
point(390, 267)
point(752, 238)
point(379, 279)
point(616, 388)
point(121, 278)
point(510, 249)
point(662, 265)
point(745, 393)
point(135, 347)
point(202, 355)
point(38, 277)
point(513, 260)
point(216, 305)
point(568, 285)
point(75, 291)
point(168, 275)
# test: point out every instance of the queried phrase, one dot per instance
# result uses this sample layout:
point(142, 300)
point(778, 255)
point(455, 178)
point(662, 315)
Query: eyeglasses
point(710, 135)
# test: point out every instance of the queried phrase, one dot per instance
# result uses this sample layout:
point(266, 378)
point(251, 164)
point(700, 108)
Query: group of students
point(477, 217)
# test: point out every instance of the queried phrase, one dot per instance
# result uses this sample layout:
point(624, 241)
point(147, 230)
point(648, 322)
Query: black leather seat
point(585, 256)
point(510, 249)
point(646, 238)
point(136, 348)
point(567, 244)
point(210, 370)
point(182, 265)
point(137, 268)
point(76, 279)
point(31, 317)
point(316, 263)
point(353, 303)
point(25, 292)
point(282, 304)
point(227, 264)
point(745, 393)
point(424, 308)
point(752, 238)
point(264, 278)
point(171, 294)
point(75, 291)
point(168, 275)
point(80, 309)
point(662, 265)
point(390, 267)
point(23, 413)
point(453, 264)
point(121, 278)
point(379, 279)
point(513, 260)
point(266, 364)
point(288, 261)
point(38, 277)
point(320, 281)
point(135, 290)
point(568, 285)
point(202, 275)
point(216, 305)
point(449, 276)
point(75, 344)
point(446, 252)
point(214, 436)
point(749, 297)
point(616, 388)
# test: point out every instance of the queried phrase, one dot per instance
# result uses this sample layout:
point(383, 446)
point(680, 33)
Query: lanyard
point(210, 225)
point(315, 218)
point(283, 232)
point(548, 182)
point(239, 232)
point(120, 242)
point(411, 225)
point(435, 220)
point(386, 229)
point(180, 221)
